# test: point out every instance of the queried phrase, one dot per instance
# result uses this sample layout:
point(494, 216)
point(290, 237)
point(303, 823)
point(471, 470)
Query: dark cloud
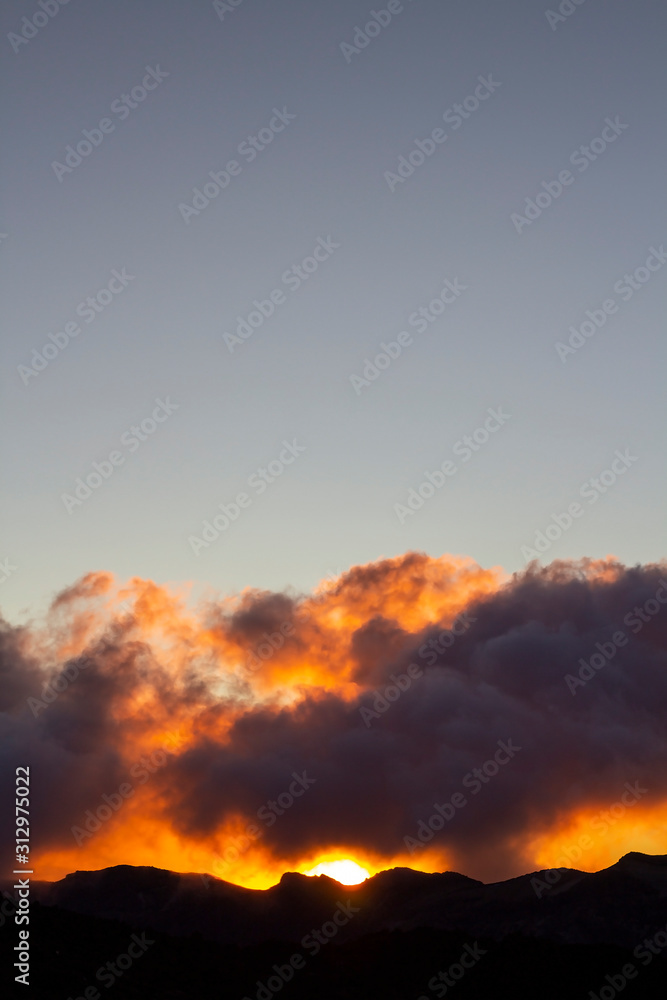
point(379, 765)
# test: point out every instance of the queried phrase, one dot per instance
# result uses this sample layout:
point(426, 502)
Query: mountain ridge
point(618, 905)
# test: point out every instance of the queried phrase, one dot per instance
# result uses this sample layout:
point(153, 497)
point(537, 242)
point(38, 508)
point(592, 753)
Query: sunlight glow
point(346, 872)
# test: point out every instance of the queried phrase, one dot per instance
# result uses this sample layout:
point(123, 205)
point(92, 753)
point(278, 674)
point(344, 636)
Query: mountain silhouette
point(400, 935)
point(619, 905)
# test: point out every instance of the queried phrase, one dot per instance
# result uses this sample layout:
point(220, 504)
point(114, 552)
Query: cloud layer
point(387, 688)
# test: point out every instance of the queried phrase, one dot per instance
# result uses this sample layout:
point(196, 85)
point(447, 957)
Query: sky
point(320, 210)
point(333, 380)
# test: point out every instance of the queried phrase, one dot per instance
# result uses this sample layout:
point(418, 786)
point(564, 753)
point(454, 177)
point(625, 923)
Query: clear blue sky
point(327, 178)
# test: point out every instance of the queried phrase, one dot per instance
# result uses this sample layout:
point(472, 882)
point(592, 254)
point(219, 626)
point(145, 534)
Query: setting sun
point(346, 872)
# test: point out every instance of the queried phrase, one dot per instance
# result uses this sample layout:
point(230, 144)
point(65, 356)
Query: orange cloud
point(165, 734)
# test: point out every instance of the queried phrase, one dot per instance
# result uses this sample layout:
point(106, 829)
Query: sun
point(346, 872)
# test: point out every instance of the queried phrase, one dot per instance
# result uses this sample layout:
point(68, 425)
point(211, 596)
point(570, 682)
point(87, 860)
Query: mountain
point(401, 935)
point(619, 905)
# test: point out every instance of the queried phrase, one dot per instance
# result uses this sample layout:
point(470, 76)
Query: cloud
point(250, 689)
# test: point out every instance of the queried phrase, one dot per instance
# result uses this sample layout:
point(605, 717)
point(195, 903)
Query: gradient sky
point(323, 176)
